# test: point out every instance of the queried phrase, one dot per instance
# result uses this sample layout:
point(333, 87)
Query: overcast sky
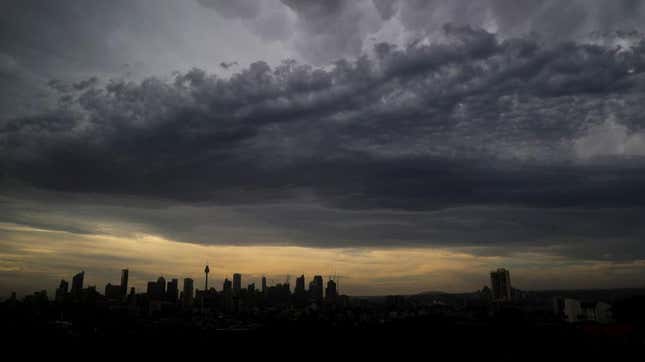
point(404, 145)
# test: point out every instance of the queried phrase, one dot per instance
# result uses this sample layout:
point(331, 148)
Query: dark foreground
point(488, 330)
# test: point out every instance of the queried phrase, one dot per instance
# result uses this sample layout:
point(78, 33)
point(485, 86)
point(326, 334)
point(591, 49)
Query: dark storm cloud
point(462, 138)
point(476, 120)
point(577, 233)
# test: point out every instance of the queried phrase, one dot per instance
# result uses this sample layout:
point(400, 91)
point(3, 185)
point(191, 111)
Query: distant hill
point(431, 292)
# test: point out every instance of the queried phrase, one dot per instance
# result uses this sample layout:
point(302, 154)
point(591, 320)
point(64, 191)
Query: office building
point(331, 294)
point(124, 282)
point(300, 285)
point(316, 289)
point(62, 290)
point(172, 292)
point(114, 292)
point(500, 281)
point(237, 283)
point(157, 290)
point(187, 293)
point(77, 283)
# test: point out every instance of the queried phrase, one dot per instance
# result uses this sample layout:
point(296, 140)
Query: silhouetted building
point(37, 300)
point(237, 283)
point(227, 286)
point(500, 281)
point(264, 285)
point(113, 292)
point(206, 271)
point(331, 294)
point(227, 294)
point(279, 294)
point(172, 292)
point(187, 294)
point(132, 297)
point(300, 297)
point(61, 291)
point(251, 288)
point(316, 289)
point(300, 285)
point(77, 284)
point(124, 282)
point(89, 294)
point(486, 294)
point(157, 290)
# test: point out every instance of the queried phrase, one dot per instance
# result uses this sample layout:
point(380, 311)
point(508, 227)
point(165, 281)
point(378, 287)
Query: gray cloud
point(245, 9)
point(324, 31)
point(576, 233)
point(476, 120)
point(386, 8)
point(329, 30)
point(461, 137)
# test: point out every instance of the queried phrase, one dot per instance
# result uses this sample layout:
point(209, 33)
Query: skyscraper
point(77, 283)
point(237, 283)
point(500, 281)
point(316, 289)
point(264, 284)
point(188, 292)
point(300, 285)
point(161, 282)
point(113, 292)
point(62, 289)
point(227, 286)
point(157, 290)
point(172, 292)
point(331, 293)
point(124, 282)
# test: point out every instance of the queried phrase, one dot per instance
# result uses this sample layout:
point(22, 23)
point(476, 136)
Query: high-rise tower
point(500, 281)
point(331, 293)
point(188, 292)
point(316, 288)
point(124, 282)
point(237, 283)
point(206, 271)
point(77, 283)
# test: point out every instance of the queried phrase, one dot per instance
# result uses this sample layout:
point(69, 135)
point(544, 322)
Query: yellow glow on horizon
point(366, 270)
point(44, 256)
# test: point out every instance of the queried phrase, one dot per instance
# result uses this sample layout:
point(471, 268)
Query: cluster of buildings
point(232, 296)
point(162, 294)
point(567, 309)
point(573, 310)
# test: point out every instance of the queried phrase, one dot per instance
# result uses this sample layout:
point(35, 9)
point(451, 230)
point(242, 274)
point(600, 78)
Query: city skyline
point(320, 288)
point(404, 145)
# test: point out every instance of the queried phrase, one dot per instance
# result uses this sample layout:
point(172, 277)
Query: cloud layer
point(494, 127)
point(473, 120)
